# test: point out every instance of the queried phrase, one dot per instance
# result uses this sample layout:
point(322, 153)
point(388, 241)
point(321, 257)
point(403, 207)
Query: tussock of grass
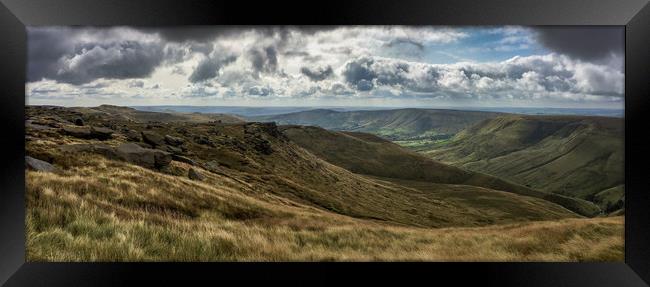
point(127, 213)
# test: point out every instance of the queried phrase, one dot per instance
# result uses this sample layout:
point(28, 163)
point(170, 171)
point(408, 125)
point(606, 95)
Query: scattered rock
point(101, 133)
point(31, 125)
point(130, 152)
point(133, 135)
point(173, 149)
point(183, 159)
point(153, 138)
point(38, 165)
point(204, 140)
point(79, 121)
point(212, 165)
point(78, 132)
point(85, 132)
point(144, 145)
point(195, 175)
point(263, 146)
point(151, 158)
point(269, 128)
point(174, 141)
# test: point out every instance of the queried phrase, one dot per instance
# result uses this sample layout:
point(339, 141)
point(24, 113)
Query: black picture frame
point(16, 14)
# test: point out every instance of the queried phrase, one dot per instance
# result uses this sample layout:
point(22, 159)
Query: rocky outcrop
point(38, 165)
point(212, 165)
point(101, 133)
point(195, 175)
point(179, 158)
point(203, 140)
point(31, 125)
point(151, 158)
point(78, 132)
point(133, 135)
point(130, 152)
point(174, 141)
point(85, 132)
point(153, 138)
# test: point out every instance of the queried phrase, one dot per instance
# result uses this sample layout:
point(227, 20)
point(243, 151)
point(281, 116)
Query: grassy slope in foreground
point(368, 154)
point(128, 213)
point(572, 155)
point(393, 124)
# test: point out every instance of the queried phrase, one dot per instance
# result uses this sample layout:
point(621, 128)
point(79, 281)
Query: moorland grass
point(127, 213)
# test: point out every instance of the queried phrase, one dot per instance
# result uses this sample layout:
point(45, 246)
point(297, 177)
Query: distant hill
point(571, 155)
point(397, 124)
point(126, 113)
point(368, 154)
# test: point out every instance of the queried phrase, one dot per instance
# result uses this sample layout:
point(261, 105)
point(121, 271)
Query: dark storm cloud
point(263, 60)
point(358, 70)
point(44, 48)
point(361, 73)
point(58, 55)
point(584, 43)
point(122, 60)
point(209, 68)
point(317, 74)
point(182, 34)
point(82, 55)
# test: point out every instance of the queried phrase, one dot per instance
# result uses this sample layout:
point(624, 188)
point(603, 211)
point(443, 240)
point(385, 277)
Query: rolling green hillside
point(571, 155)
point(259, 160)
point(371, 155)
point(109, 189)
point(398, 124)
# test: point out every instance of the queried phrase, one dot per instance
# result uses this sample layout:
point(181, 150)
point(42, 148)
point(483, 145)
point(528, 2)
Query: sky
point(392, 66)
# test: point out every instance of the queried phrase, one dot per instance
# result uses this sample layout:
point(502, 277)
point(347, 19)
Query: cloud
point(317, 74)
point(209, 68)
point(177, 70)
point(45, 47)
point(136, 84)
point(585, 43)
point(359, 70)
point(122, 60)
point(263, 60)
point(402, 41)
point(182, 34)
point(527, 77)
point(284, 63)
point(260, 91)
point(78, 56)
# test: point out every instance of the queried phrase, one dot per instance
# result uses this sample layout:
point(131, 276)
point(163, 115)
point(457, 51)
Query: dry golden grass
point(102, 210)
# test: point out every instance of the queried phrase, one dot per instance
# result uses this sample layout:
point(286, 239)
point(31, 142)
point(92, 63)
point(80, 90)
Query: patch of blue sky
point(485, 45)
